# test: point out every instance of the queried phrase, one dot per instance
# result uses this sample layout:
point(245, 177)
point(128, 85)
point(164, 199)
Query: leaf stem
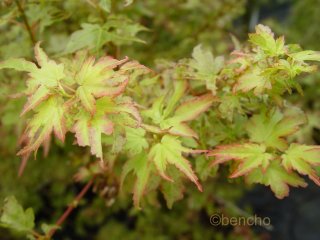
point(72, 206)
point(26, 23)
point(36, 234)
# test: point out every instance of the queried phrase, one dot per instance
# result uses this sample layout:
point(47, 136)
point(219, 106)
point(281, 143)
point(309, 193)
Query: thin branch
point(26, 23)
point(72, 206)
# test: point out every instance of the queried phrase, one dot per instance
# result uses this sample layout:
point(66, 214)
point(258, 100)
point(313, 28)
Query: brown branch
point(72, 206)
point(26, 23)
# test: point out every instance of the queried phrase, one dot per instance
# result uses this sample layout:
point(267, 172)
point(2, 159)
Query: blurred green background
point(175, 27)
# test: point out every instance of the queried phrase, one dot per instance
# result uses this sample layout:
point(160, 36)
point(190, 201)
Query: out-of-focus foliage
point(92, 115)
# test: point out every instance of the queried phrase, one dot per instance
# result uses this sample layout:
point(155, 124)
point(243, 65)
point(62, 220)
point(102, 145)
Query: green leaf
point(135, 140)
point(89, 128)
point(42, 80)
point(247, 156)
point(264, 38)
point(302, 158)
point(142, 169)
point(169, 151)
point(206, 66)
point(14, 217)
point(191, 109)
point(88, 131)
point(307, 55)
point(105, 5)
point(98, 79)
point(18, 64)
point(47, 228)
point(187, 111)
point(117, 29)
point(277, 178)
point(180, 88)
point(271, 128)
point(49, 117)
point(173, 192)
point(128, 2)
point(253, 79)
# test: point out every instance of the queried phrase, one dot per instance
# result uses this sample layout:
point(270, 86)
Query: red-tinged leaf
point(49, 118)
point(252, 80)
point(302, 158)
point(277, 178)
point(169, 150)
point(42, 81)
point(99, 79)
point(247, 156)
point(180, 88)
point(194, 107)
point(41, 94)
point(131, 109)
point(88, 131)
point(40, 55)
point(182, 129)
point(81, 131)
point(87, 99)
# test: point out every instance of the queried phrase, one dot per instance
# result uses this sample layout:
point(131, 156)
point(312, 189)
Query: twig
point(72, 206)
point(26, 23)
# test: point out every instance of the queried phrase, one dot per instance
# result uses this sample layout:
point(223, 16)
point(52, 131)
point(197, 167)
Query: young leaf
point(252, 79)
point(169, 151)
point(135, 140)
point(191, 109)
point(142, 169)
point(187, 111)
point(271, 128)
point(49, 117)
point(277, 178)
point(250, 156)
point(18, 64)
point(264, 38)
point(117, 29)
point(88, 129)
point(14, 217)
point(97, 80)
point(42, 80)
point(301, 158)
point(173, 192)
point(206, 66)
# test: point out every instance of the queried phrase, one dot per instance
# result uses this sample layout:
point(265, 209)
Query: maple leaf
point(117, 29)
point(264, 38)
point(172, 119)
point(301, 158)
point(142, 169)
point(98, 79)
point(277, 178)
point(169, 151)
point(252, 79)
point(18, 64)
point(271, 128)
point(206, 66)
point(88, 129)
point(135, 140)
point(13, 216)
point(187, 111)
point(306, 55)
point(41, 80)
point(49, 117)
point(247, 156)
point(173, 191)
